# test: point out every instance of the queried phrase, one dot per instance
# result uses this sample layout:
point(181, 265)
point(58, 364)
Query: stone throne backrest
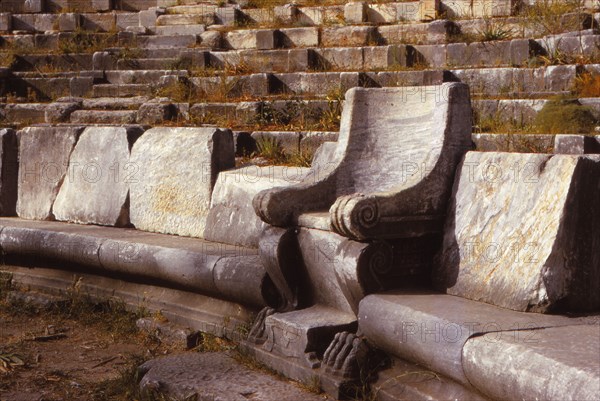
point(392, 171)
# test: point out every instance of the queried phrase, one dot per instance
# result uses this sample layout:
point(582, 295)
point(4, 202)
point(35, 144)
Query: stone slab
point(576, 144)
point(521, 232)
point(5, 22)
point(231, 218)
point(171, 158)
point(299, 37)
point(559, 363)
point(202, 374)
point(44, 154)
point(408, 381)
point(99, 167)
point(103, 116)
point(430, 329)
point(347, 36)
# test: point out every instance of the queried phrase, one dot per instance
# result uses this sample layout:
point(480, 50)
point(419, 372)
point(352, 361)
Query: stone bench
point(481, 350)
point(520, 237)
point(133, 178)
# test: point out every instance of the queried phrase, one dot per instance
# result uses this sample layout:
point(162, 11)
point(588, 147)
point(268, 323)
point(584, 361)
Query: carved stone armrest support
point(350, 215)
point(280, 206)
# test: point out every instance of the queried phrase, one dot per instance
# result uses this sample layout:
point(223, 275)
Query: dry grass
point(547, 17)
point(587, 85)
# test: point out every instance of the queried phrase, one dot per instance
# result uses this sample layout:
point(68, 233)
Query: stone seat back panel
point(393, 166)
point(44, 159)
point(178, 169)
point(96, 187)
point(231, 218)
point(522, 232)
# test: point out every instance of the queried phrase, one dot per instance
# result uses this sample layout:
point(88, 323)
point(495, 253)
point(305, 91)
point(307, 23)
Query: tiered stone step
point(505, 94)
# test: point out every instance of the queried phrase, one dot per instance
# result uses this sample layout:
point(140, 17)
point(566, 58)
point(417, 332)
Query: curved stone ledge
point(432, 329)
point(210, 268)
point(188, 309)
point(516, 365)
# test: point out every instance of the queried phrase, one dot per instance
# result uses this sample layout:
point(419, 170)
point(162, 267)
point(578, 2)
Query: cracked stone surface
point(217, 377)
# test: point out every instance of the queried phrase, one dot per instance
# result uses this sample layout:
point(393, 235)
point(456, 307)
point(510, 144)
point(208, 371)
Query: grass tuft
point(564, 116)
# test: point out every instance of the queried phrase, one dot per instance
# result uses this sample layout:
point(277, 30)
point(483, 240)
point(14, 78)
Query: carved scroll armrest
point(382, 216)
point(280, 206)
point(351, 215)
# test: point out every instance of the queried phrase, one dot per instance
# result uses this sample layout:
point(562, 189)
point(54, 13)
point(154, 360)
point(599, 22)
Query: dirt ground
point(73, 348)
point(70, 352)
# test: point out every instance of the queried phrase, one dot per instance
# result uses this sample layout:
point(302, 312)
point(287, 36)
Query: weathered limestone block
point(348, 36)
point(203, 373)
point(68, 22)
point(60, 112)
point(5, 22)
point(339, 58)
point(227, 15)
point(383, 57)
point(503, 365)
point(180, 167)
point(494, 8)
point(433, 56)
point(23, 22)
point(25, 112)
point(99, 167)
point(81, 86)
point(185, 19)
point(129, 20)
point(104, 61)
point(231, 218)
point(299, 37)
point(576, 144)
point(382, 13)
point(101, 5)
point(457, 8)
point(355, 12)
point(155, 112)
point(312, 16)
point(33, 6)
point(45, 22)
point(174, 30)
point(286, 13)
point(428, 9)
point(44, 158)
point(522, 232)
point(148, 17)
point(410, 11)
point(103, 116)
point(261, 39)
point(9, 171)
point(98, 22)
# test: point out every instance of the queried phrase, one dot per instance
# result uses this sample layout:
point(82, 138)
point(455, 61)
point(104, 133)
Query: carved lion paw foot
point(344, 354)
point(257, 334)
